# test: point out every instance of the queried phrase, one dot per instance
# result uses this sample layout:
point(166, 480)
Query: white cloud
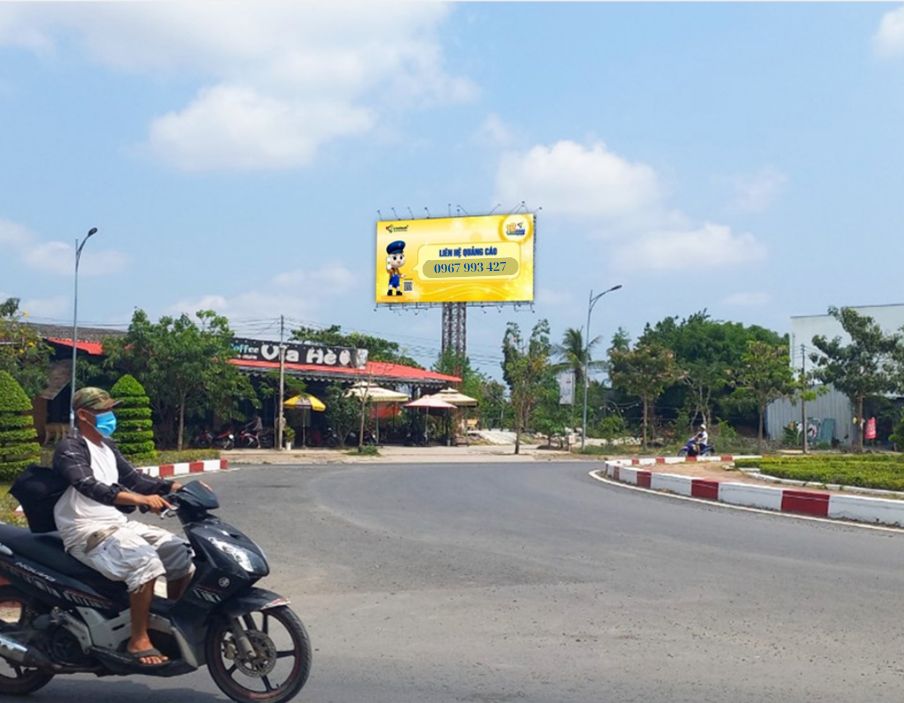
point(279, 80)
point(261, 132)
point(295, 293)
point(571, 179)
point(756, 192)
point(613, 198)
point(54, 307)
point(494, 132)
point(747, 299)
point(709, 246)
point(888, 41)
point(14, 236)
point(54, 256)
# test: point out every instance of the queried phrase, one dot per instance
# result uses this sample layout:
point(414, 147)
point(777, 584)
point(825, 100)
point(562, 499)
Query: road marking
point(844, 523)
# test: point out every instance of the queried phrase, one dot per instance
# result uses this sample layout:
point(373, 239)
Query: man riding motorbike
point(701, 439)
point(97, 533)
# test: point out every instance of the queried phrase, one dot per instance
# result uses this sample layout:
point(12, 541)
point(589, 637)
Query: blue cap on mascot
point(396, 247)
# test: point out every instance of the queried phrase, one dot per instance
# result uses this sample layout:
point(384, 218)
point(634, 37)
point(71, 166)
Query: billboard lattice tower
point(455, 328)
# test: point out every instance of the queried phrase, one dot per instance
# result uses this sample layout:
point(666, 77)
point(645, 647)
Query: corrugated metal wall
point(832, 404)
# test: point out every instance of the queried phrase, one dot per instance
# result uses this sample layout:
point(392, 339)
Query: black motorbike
point(57, 616)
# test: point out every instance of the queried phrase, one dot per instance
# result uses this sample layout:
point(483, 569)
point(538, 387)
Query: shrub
point(897, 435)
point(611, 426)
point(18, 440)
point(134, 434)
point(885, 471)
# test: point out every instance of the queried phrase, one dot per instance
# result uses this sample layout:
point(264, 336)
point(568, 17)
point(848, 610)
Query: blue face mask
point(105, 423)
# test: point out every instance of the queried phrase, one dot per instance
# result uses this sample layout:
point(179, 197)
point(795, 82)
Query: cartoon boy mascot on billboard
point(395, 260)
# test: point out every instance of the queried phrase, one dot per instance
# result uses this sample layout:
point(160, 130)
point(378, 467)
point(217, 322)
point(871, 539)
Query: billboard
point(480, 259)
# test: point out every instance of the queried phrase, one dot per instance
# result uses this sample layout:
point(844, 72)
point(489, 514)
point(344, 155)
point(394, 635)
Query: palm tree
point(575, 357)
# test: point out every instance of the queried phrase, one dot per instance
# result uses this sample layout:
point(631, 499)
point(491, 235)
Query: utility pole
point(280, 421)
point(803, 390)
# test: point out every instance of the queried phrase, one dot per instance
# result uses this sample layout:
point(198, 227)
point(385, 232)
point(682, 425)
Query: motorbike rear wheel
point(16, 613)
point(277, 635)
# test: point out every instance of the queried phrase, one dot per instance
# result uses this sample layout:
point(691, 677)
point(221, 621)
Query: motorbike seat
point(47, 549)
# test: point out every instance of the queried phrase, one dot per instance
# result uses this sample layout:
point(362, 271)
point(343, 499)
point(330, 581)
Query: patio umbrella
point(457, 398)
point(428, 403)
point(304, 401)
point(375, 394)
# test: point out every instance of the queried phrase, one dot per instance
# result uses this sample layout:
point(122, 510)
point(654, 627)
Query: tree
point(576, 356)
point(378, 349)
point(859, 369)
point(766, 375)
point(644, 371)
point(706, 351)
point(493, 405)
point(18, 441)
point(183, 365)
point(342, 411)
point(525, 367)
point(134, 429)
point(23, 354)
point(550, 416)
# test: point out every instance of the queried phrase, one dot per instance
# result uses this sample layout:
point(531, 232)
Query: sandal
point(144, 653)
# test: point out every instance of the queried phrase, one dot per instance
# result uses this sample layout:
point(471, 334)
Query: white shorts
point(137, 553)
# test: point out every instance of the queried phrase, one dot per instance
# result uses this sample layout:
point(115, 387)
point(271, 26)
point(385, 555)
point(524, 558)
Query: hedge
point(18, 441)
point(134, 434)
point(883, 471)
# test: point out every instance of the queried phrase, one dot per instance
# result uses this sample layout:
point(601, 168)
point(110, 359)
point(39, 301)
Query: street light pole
point(591, 302)
point(78, 255)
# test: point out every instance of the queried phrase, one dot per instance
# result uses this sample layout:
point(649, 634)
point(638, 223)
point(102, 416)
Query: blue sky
point(744, 158)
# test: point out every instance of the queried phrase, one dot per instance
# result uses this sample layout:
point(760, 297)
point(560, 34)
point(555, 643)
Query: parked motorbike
point(266, 438)
point(57, 616)
point(351, 439)
point(691, 449)
point(225, 439)
point(203, 439)
point(247, 439)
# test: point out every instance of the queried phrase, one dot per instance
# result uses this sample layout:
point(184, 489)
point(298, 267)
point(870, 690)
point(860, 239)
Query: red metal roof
point(377, 370)
point(373, 369)
point(92, 348)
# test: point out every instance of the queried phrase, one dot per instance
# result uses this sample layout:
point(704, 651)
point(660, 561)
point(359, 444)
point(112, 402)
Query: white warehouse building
point(830, 416)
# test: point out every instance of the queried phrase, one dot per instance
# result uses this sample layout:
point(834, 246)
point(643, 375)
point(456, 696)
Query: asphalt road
point(533, 582)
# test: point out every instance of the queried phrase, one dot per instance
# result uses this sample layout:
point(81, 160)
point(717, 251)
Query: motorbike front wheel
point(16, 613)
point(277, 669)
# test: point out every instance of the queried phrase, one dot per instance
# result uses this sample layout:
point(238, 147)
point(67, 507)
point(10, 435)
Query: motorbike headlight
point(248, 560)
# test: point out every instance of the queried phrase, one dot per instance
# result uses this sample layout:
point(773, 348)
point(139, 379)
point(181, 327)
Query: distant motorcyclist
point(255, 426)
point(701, 439)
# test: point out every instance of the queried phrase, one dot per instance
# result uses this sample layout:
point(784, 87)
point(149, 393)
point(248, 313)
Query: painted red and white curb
point(185, 467)
point(881, 511)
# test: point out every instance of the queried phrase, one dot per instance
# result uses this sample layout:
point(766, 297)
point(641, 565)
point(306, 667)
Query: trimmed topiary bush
point(134, 431)
point(18, 439)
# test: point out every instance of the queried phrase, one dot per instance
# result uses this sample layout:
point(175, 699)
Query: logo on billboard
point(515, 229)
point(392, 229)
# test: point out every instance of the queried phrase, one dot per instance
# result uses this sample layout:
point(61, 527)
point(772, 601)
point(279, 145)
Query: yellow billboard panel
point(482, 259)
